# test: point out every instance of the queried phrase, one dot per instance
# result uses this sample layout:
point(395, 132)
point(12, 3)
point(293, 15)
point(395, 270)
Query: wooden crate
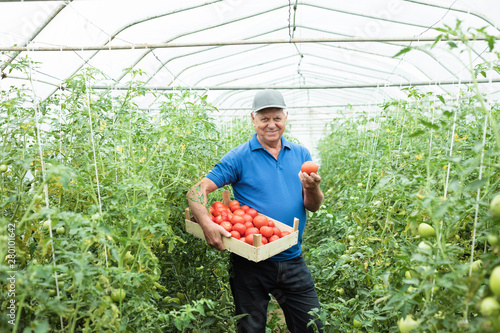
point(256, 252)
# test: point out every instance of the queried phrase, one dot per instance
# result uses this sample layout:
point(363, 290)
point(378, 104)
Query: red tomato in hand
point(309, 167)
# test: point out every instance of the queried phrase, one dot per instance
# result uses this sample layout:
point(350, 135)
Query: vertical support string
point(87, 88)
point(44, 178)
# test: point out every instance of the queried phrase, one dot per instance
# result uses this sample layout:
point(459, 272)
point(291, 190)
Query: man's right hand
point(197, 199)
point(213, 235)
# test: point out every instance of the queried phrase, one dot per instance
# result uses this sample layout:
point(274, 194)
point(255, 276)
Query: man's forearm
point(313, 197)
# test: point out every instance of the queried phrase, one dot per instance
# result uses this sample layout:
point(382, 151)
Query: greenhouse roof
point(326, 57)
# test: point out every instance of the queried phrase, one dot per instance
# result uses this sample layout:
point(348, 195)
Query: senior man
point(264, 173)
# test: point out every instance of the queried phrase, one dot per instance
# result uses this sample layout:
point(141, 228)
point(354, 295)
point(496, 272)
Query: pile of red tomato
point(243, 222)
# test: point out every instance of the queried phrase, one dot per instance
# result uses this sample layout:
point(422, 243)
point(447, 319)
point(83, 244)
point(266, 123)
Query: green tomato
point(495, 281)
point(407, 324)
point(61, 230)
point(495, 207)
point(118, 295)
point(425, 230)
point(128, 256)
point(341, 291)
point(492, 239)
point(424, 247)
point(489, 305)
point(477, 265)
point(3, 168)
point(357, 323)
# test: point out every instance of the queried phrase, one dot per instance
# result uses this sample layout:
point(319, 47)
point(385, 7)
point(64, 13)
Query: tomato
point(237, 219)
point(249, 239)
point(3, 168)
point(217, 204)
point(239, 212)
point(495, 281)
point(309, 167)
point(234, 203)
point(266, 231)
point(240, 228)
point(273, 238)
point(285, 233)
point(212, 217)
point(407, 324)
point(252, 212)
point(264, 240)
point(495, 207)
point(248, 225)
point(277, 231)
point(271, 223)
point(357, 323)
point(245, 208)
point(227, 225)
point(118, 295)
point(221, 210)
point(247, 218)
point(218, 219)
point(489, 305)
point(211, 210)
point(251, 231)
point(60, 230)
point(234, 207)
point(259, 221)
point(425, 230)
point(424, 246)
point(235, 234)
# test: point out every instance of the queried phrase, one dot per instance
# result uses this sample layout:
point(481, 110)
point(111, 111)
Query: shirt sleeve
point(226, 171)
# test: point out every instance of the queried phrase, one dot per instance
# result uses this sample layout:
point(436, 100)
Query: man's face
point(270, 125)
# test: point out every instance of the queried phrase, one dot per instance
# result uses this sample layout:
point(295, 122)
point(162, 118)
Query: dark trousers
point(291, 284)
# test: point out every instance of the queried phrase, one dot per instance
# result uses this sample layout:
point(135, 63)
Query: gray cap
point(268, 99)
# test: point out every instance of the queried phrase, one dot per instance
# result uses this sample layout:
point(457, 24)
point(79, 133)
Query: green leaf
point(428, 124)
point(476, 184)
point(441, 98)
point(403, 51)
point(416, 133)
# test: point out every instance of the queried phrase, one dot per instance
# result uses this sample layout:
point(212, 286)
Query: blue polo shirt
point(270, 186)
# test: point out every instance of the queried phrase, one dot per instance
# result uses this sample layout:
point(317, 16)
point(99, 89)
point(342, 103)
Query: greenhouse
point(112, 114)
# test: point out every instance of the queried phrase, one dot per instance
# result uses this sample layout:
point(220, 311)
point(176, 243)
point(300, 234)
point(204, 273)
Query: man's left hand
point(309, 181)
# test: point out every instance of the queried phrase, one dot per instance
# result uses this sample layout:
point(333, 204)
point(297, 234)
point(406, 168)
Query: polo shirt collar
point(255, 144)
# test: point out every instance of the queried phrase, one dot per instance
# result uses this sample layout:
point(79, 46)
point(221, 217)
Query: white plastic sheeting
point(317, 79)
